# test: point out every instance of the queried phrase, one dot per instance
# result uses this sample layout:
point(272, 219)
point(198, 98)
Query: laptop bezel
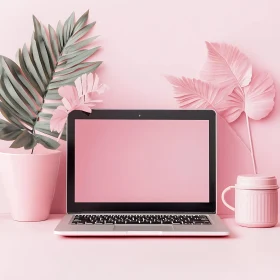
point(189, 207)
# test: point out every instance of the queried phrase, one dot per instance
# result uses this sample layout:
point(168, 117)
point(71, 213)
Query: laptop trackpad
point(143, 228)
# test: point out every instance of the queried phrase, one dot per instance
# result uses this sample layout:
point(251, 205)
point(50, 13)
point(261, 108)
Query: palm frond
point(55, 58)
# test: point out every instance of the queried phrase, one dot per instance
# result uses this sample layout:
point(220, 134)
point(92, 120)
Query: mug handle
point(223, 198)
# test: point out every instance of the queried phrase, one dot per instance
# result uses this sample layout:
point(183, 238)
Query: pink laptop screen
point(141, 160)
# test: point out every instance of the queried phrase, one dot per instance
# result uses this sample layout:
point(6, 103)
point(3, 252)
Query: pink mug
point(256, 201)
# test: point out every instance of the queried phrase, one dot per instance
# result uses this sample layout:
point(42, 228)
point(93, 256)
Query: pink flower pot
point(30, 181)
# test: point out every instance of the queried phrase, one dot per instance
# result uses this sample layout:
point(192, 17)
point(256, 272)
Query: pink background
point(143, 40)
point(142, 161)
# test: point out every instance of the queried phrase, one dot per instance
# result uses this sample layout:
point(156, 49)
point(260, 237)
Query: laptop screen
point(141, 160)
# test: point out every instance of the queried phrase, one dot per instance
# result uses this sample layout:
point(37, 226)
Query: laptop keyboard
point(140, 219)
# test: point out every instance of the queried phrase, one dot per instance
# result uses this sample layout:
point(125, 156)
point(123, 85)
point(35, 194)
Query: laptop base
point(216, 228)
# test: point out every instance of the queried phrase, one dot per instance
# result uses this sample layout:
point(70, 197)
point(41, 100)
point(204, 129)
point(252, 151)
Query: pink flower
point(80, 98)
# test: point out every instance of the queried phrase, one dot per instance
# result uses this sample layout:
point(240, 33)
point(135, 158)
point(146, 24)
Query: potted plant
point(29, 94)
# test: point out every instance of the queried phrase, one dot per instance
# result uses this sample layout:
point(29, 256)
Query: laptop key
point(141, 219)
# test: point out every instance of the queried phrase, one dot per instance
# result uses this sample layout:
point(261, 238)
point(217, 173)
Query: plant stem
point(59, 136)
point(237, 135)
point(33, 132)
point(249, 135)
point(251, 144)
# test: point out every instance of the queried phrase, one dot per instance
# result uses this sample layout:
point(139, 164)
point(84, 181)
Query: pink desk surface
point(31, 251)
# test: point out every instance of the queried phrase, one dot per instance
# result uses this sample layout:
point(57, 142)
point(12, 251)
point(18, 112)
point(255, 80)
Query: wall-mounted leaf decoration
point(55, 58)
point(256, 100)
point(226, 66)
point(229, 70)
point(196, 94)
point(259, 96)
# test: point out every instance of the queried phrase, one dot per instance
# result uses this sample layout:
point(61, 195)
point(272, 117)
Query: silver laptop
point(141, 173)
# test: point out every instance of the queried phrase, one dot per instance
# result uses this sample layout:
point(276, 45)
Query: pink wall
point(143, 40)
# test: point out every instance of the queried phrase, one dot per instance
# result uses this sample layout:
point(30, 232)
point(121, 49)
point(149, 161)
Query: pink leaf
point(78, 84)
point(256, 100)
point(93, 103)
point(81, 97)
point(70, 96)
point(196, 94)
point(226, 66)
point(96, 89)
point(58, 119)
point(66, 103)
point(102, 88)
point(90, 82)
point(259, 96)
point(84, 83)
point(232, 113)
point(96, 83)
point(83, 107)
point(233, 106)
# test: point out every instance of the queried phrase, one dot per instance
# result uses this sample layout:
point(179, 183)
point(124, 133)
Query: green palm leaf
point(10, 132)
point(55, 58)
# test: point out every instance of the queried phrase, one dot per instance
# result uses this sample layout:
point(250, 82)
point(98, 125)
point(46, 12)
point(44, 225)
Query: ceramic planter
point(30, 181)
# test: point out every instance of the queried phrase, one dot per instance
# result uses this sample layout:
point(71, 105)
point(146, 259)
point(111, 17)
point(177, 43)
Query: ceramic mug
point(256, 201)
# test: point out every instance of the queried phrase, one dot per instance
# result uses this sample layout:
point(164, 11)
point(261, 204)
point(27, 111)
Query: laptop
point(141, 173)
